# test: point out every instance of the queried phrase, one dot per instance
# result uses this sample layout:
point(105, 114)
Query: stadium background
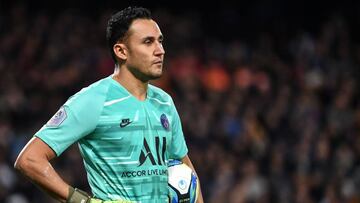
point(267, 91)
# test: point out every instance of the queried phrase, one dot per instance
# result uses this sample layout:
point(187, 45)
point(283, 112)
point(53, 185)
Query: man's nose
point(159, 49)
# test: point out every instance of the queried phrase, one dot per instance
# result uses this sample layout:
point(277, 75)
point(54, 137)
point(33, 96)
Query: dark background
point(267, 91)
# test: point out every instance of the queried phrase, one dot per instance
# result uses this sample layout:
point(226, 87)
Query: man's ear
point(120, 51)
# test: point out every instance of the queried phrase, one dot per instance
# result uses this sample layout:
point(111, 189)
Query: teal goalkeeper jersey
point(125, 143)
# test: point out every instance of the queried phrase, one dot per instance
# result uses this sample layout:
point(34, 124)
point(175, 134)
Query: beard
point(144, 76)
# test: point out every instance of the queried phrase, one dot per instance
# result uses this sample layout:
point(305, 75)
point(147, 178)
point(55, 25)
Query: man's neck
point(133, 85)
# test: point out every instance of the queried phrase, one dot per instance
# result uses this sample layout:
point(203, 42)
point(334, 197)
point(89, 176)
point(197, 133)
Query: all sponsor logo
point(154, 158)
point(147, 154)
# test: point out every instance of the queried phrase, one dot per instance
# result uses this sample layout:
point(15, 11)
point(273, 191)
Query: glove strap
point(77, 196)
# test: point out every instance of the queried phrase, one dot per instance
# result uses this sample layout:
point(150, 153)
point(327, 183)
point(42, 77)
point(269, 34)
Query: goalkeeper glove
point(77, 196)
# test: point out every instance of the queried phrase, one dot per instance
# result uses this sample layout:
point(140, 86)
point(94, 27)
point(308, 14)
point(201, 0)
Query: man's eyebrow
point(161, 37)
point(149, 37)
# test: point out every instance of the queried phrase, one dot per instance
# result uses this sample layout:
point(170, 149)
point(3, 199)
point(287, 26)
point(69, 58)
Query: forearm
point(34, 162)
point(200, 198)
point(188, 162)
point(42, 174)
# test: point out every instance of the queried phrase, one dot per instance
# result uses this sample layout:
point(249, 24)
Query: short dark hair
point(119, 24)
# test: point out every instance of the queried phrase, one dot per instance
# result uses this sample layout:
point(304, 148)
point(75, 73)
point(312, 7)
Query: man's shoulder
point(96, 87)
point(93, 92)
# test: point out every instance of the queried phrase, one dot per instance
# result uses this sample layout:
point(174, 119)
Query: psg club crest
point(164, 122)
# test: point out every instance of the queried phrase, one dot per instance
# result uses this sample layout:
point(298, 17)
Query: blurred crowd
point(271, 118)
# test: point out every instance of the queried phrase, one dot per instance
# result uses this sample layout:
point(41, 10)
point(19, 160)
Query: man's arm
point(33, 162)
point(187, 161)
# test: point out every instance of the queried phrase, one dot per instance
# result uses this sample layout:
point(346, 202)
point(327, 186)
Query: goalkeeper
point(126, 129)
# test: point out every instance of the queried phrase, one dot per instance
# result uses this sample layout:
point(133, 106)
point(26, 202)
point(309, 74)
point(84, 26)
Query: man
point(126, 128)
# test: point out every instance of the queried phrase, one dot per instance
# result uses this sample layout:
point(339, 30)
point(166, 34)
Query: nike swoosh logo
point(124, 124)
